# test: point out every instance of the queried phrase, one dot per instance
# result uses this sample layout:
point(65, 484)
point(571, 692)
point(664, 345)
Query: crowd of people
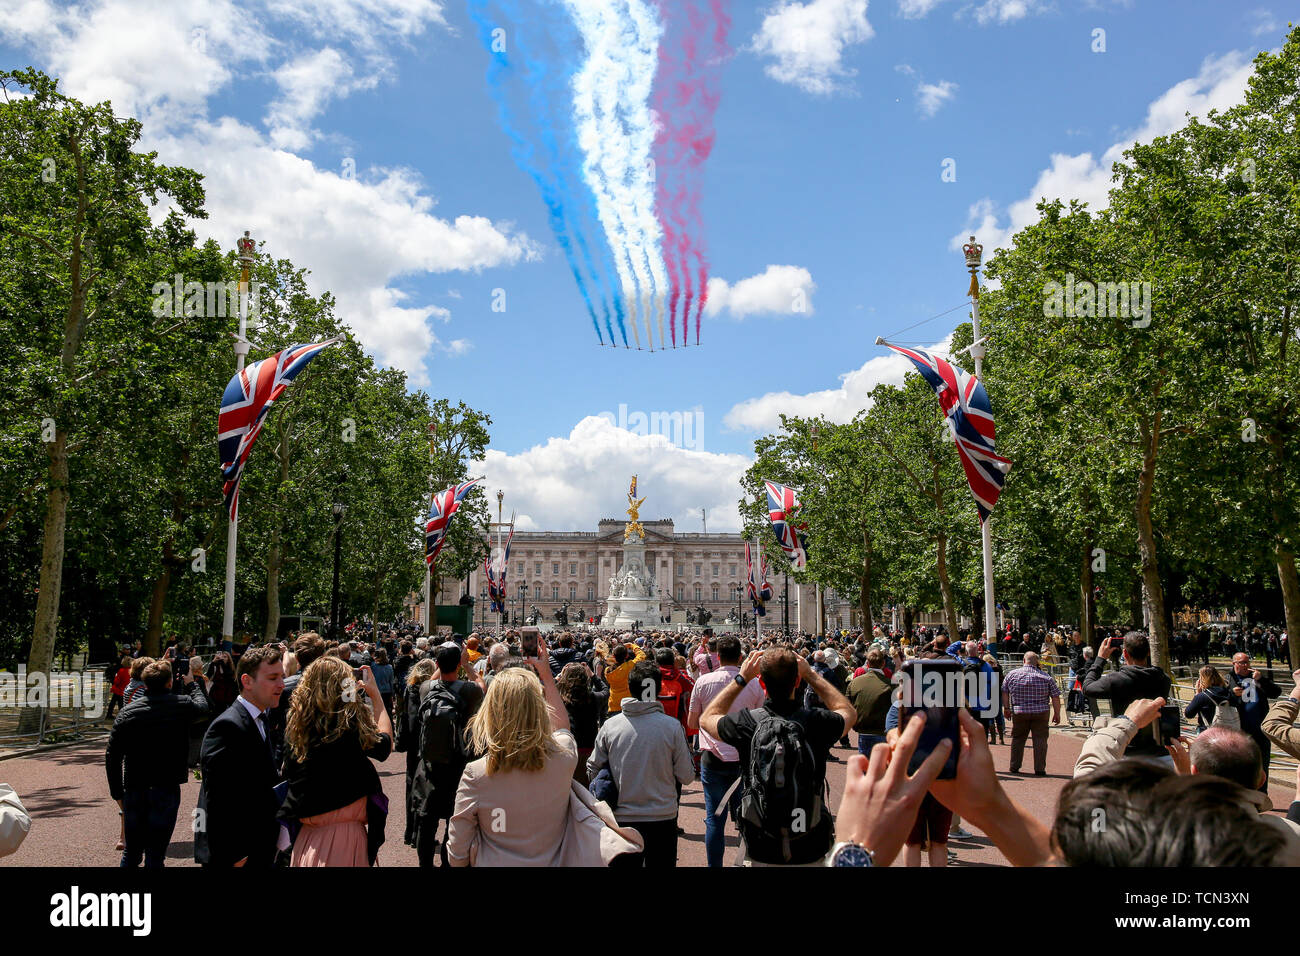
point(574, 749)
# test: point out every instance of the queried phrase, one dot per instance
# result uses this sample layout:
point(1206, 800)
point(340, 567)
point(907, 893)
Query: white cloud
point(357, 235)
point(931, 96)
point(459, 346)
point(162, 60)
point(1220, 84)
point(157, 60)
point(808, 40)
point(307, 84)
point(370, 24)
point(990, 11)
point(569, 484)
point(779, 290)
point(915, 9)
point(763, 414)
point(1263, 22)
point(1006, 11)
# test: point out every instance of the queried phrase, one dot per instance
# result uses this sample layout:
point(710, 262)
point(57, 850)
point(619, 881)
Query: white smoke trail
point(615, 131)
point(639, 119)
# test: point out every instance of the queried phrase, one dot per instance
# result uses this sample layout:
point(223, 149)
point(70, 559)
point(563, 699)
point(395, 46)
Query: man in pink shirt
point(705, 660)
point(720, 762)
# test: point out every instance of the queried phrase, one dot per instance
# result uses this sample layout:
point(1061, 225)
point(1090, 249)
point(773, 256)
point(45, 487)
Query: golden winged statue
point(633, 512)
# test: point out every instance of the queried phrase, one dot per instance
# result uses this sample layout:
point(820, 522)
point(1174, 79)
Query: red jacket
point(121, 680)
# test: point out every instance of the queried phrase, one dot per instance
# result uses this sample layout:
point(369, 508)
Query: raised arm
point(720, 705)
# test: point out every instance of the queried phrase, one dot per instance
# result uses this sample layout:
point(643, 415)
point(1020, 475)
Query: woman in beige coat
point(512, 806)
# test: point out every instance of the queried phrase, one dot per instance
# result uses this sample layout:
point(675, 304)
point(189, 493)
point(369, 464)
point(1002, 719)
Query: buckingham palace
point(549, 569)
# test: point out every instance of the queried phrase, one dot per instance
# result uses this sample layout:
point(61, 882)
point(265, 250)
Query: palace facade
point(691, 570)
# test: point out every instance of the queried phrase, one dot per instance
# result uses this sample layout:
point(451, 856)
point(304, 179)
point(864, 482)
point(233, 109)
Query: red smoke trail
point(691, 53)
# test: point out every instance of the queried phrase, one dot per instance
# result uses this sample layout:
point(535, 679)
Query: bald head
point(1031, 659)
point(1227, 753)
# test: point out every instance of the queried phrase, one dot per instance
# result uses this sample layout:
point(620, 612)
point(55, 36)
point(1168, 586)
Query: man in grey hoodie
point(647, 756)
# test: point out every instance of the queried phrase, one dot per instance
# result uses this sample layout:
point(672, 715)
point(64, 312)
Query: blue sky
point(834, 122)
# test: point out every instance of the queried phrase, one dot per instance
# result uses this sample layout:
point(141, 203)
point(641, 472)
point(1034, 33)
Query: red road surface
point(74, 823)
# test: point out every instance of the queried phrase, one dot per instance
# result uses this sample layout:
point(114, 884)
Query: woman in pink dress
point(337, 726)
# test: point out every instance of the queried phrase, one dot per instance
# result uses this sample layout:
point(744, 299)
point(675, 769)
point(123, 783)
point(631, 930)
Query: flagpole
point(500, 496)
point(428, 565)
point(246, 257)
point(757, 568)
point(974, 254)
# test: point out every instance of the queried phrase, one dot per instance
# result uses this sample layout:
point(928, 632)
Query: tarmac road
point(74, 823)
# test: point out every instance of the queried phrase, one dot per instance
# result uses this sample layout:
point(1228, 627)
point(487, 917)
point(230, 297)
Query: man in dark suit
point(235, 823)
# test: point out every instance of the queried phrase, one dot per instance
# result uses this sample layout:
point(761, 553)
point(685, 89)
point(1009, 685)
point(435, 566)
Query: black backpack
point(783, 801)
point(442, 737)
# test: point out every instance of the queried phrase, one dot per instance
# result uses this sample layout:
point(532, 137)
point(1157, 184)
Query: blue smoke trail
point(555, 190)
point(543, 81)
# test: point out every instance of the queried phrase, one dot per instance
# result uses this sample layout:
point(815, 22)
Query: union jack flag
point(494, 568)
point(760, 591)
point(444, 506)
point(970, 419)
point(782, 509)
point(246, 403)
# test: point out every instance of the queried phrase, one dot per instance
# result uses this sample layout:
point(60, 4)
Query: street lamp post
point(974, 253)
point(483, 600)
point(338, 552)
point(785, 605)
point(523, 597)
point(428, 568)
point(247, 256)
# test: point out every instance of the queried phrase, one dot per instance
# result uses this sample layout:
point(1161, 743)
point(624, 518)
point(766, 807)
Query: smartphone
point(356, 674)
point(935, 688)
point(528, 640)
point(1169, 726)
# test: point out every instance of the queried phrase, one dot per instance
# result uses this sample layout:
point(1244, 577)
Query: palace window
point(573, 567)
point(537, 591)
point(697, 592)
point(591, 593)
point(715, 592)
point(573, 592)
point(555, 592)
point(681, 593)
point(555, 567)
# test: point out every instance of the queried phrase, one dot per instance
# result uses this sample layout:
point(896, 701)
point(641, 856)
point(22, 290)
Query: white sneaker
point(960, 833)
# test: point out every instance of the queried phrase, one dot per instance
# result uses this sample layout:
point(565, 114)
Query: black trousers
point(660, 845)
point(426, 838)
point(150, 817)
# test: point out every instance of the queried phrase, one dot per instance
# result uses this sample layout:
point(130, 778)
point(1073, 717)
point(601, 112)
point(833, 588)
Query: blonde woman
point(512, 804)
point(333, 733)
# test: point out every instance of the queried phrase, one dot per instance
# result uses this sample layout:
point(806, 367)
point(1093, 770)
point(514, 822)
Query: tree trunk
point(864, 585)
point(907, 623)
point(1051, 614)
point(41, 656)
point(976, 616)
point(1155, 594)
point(157, 601)
point(1087, 606)
point(1286, 575)
point(945, 588)
point(273, 562)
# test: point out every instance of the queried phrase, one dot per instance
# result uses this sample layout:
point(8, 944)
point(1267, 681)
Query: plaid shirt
point(1030, 689)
